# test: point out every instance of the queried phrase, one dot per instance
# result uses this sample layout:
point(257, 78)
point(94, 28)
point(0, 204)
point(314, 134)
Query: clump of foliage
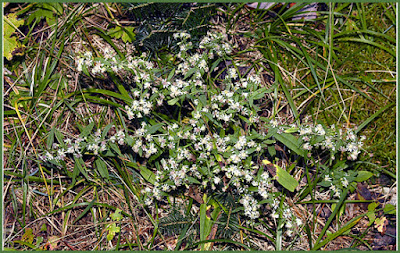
point(197, 129)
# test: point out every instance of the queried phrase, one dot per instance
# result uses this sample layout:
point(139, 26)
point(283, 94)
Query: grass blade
point(375, 115)
point(333, 214)
point(346, 227)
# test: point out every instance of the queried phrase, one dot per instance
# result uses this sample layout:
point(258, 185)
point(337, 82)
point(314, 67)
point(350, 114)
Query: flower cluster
point(95, 144)
point(338, 180)
point(138, 109)
point(85, 60)
point(216, 43)
point(333, 139)
point(217, 138)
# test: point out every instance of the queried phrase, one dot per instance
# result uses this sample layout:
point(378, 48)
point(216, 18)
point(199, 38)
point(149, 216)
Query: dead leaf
point(52, 243)
point(195, 194)
point(384, 241)
point(380, 224)
point(270, 167)
point(363, 194)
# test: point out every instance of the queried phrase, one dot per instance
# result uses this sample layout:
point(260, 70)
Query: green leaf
point(154, 128)
point(363, 176)
point(371, 216)
point(389, 209)
point(171, 74)
point(129, 140)
point(78, 165)
point(43, 228)
point(370, 119)
point(215, 64)
point(57, 8)
point(28, 236)
point(272, 151)
point(124, 33)
point(39, 240)
point(285, 179)
point(115, 148)
point(173, 101)
point(342, 230)
point(112, 230)
point(116, 216)
point(147, 174)
point(291, 142)
point(205, 224)
point(87, 209)
point(292, 130)
point(50, 139)
point(30, 245)
point(11, 44)
point(106, 129)
point(190, 72)
point(317, 244)
point(203, 99)
point(102, 168)
point(47, 11)
point(193, 180)
point(259, 93)
point(88, 129)
point(59, 136)
point(372, 206)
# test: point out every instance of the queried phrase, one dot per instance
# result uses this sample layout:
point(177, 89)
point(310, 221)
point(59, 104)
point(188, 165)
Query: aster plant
point(199, 127)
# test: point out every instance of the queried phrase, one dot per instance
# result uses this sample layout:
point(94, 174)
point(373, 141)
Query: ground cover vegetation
point(177, 126)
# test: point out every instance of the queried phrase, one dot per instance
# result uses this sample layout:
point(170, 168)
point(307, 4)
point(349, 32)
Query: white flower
point(136, 93)
point(97, 133)
point(130, 114)
point(243, 154)
point(241, 143)
point(88, 55)
point(107, 53)
point(354, 154)
point(226, 117)
point(80, 62)
point(103, 147)
point(175, 91)
point(203, 64)
point(235, 158)
point(305, 130)
point(48, 156)
point(351, 147)
point(275, 215)
point(197, 115)
point(274, 123)
point(254, 215)
point(344, 182)
point(70, 149)
point(98, 68)
point(327, 178)
point(319, 129)
point(232, 73)
point(329, 144)
point(351, 136)
point(307, 146)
